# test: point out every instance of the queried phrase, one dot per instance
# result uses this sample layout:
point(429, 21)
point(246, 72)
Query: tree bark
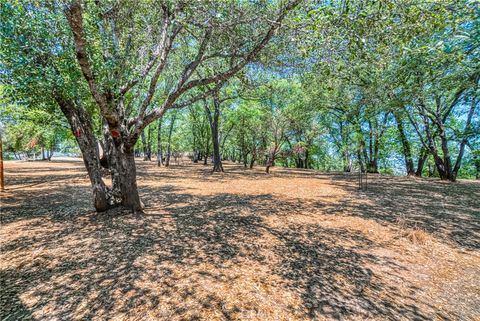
point(254, 154)
point(407, 151)
point(80, 122)
point(214, 123)
point(307, 159)
point(145, 147)
point(128, 181)
point(110, 157)
point(169, 143)
point(252, 162)
point(271, 159)
point(159, 143)
point(347, 165)
point(421, 162)
point(464, 141)
point(444, 167)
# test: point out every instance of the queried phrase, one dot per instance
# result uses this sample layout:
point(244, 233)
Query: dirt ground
point(293, 245)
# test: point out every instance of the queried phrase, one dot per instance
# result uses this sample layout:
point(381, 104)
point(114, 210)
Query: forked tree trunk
point(80, 123)
point(121, 162)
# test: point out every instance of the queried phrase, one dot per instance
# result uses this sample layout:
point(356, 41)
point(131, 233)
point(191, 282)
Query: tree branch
point(164, 44)
point(75, 20)
point(184, 86)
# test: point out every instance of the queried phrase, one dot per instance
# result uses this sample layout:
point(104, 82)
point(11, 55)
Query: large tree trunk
point(110, 157)
point(121, 162)
point(80, 122)
point(128, 180)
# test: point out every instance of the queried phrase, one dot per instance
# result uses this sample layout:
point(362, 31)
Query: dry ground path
point(293, 245)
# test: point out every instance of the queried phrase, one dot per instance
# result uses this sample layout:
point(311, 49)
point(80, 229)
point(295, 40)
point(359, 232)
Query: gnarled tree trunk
point(128, 181)
point(81, 125)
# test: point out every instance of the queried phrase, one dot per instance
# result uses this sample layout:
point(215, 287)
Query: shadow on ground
point(448, 210)
point(68, 265)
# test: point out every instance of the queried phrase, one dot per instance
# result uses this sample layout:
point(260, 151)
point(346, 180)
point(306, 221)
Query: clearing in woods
point(243, 245)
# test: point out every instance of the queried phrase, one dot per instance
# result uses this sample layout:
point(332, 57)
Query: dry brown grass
point(416, 236)
point(293, 245)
